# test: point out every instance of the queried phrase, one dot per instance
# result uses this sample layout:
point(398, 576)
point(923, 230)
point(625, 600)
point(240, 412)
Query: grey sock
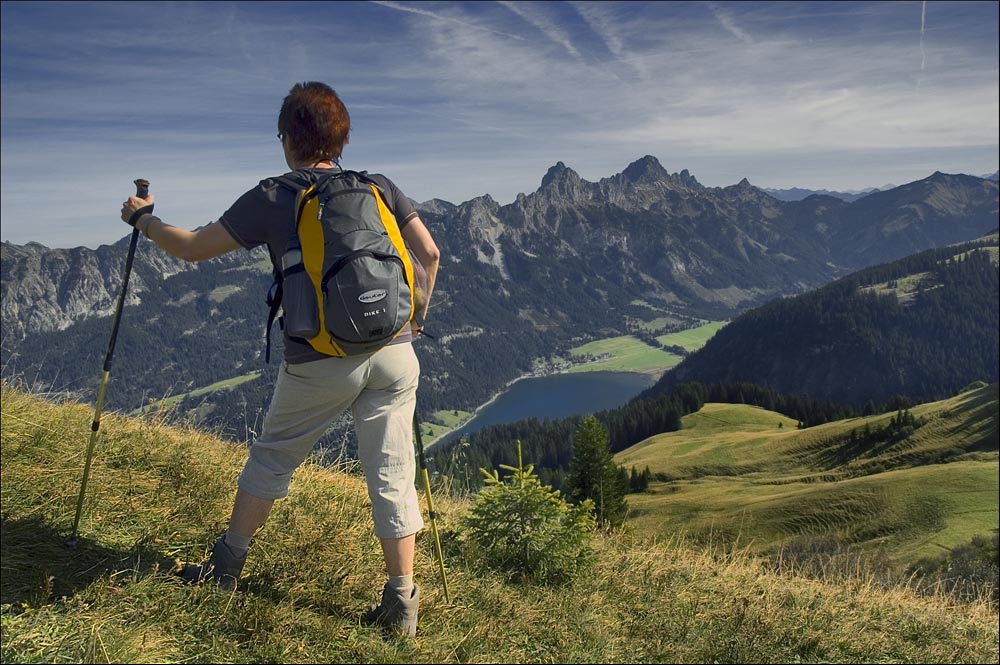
point(403, 584)
point(237, 543)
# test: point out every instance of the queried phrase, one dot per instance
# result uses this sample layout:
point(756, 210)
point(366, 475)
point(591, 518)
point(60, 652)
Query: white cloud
point(459, 99)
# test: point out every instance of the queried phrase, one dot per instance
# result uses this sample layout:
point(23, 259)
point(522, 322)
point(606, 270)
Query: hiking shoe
point(395, 612)
point(223, 567)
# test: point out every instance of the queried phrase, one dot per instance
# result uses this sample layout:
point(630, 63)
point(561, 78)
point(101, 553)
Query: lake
point(556, 396)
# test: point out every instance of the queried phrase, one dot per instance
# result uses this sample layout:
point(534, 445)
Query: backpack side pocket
point(299, 298)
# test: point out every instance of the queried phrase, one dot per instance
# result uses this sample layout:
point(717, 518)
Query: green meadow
point(625, 354)
point(221, 293)
point(694, 338)
point(451, 418)
point(629, 354)
point(742, 473)
point(225, 384)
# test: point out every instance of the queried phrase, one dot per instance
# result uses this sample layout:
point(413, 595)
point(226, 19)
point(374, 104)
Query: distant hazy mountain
point(797, 193)
point(573, 260)
point(851, 195)
point(922, 327)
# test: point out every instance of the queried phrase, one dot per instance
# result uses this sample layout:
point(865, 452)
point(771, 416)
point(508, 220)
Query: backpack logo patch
point(372, 296)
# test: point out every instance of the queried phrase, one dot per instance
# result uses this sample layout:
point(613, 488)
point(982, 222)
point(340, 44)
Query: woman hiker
point(312, 389)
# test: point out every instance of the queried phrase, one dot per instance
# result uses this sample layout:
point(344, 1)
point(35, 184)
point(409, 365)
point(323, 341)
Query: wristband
point(145, 210)
point(144, 222)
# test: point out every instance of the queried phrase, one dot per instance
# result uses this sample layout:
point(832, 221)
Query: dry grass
point(158, 494)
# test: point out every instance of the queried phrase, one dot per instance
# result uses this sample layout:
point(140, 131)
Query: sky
point(454, 100)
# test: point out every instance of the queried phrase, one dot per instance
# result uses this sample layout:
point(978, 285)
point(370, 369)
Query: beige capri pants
point(381, 390)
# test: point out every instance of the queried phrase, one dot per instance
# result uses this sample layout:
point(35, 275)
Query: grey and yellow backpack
point(344, 282)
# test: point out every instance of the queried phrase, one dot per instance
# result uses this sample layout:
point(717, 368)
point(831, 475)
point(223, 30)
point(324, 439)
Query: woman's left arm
point(419, 239)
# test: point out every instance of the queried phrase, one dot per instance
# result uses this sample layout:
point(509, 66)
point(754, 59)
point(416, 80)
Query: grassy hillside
point(737, 470)
point(160, 494)
point(225, 384)
point(622, 354)
point(920, 327)
point(629, 354)
point(692, 339)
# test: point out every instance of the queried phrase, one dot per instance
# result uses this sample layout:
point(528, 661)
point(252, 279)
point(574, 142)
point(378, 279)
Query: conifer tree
point(526, 529)
point(595, 476)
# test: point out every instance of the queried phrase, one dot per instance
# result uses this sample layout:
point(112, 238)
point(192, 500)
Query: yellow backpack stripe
point(389, 221)
point(311, 239)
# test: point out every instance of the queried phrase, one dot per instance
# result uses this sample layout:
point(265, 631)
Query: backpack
point(344, 282)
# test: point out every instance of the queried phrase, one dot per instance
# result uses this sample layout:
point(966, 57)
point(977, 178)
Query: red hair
point(315, 122)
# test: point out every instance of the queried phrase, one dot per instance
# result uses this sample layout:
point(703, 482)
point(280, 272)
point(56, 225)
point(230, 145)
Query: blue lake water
point(557, 396)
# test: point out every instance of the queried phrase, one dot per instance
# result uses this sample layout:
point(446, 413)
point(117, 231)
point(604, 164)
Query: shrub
point(828, 558)
point(967, 572)
point(526, 530)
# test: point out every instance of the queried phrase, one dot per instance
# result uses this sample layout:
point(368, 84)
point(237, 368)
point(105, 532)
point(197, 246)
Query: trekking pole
point(430, 502)
point(142, 191)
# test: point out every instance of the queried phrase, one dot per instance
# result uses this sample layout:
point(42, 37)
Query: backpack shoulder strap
point(368, 180)
point(291, 181)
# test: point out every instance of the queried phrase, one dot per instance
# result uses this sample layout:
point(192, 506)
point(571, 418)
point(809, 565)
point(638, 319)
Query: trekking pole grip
point(142, 191)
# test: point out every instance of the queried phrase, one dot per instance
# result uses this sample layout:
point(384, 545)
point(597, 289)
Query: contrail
point(923, 53)
point(923, 16)
point(729, 24)
point(441, 17)
point(545, 26)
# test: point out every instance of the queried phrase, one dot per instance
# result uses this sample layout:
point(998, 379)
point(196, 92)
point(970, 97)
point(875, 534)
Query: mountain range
point(798, 193)
point(851, 195)
point(572, 261)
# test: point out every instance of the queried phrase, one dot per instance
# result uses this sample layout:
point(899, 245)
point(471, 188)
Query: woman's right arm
point(205, 243)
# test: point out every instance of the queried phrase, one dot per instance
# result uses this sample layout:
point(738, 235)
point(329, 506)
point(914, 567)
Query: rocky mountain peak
point(685, 178)
point(563, 184)
point(645, 168)
point(743, 187)
point(559, 174)
point(439, 206)
point(479, 211)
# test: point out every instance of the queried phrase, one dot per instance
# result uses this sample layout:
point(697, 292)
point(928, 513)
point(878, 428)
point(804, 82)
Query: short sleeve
point(251, 219)
point(401, 206)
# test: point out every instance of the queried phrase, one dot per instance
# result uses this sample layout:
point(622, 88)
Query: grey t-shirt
point(266, 215)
